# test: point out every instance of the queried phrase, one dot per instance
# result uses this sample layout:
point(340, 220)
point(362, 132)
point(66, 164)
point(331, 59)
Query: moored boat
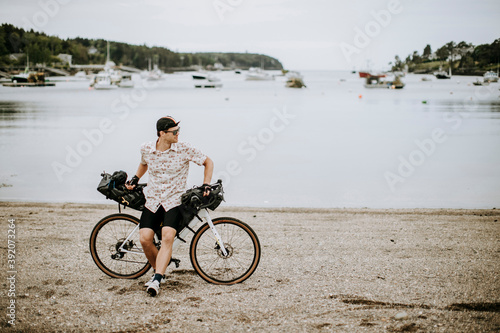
point(368, 74)
point(102, 81)
point(481, 83)
point(376, 82)
point(294, 80)
point(442, 74)
point(31, 79)
point(257, 74)
point(206, 80)
point(490, 76)
point(126, 81)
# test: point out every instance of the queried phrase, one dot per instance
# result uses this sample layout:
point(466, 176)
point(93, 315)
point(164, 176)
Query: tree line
point(43, 49)
point(463, 57)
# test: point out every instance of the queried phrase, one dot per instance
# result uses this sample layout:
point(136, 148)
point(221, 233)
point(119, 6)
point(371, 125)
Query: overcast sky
point(313, 34)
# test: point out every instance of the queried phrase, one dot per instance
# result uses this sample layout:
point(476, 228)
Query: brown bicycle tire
point(235, 222)
point(95, 255)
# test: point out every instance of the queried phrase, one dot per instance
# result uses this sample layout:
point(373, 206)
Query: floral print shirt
point(168, 172)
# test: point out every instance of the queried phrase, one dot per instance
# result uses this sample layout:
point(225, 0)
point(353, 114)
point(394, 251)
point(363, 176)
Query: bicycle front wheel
point(116, 250)
point(242, 247)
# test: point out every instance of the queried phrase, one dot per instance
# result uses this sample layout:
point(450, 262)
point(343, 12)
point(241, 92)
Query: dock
point(29, 84)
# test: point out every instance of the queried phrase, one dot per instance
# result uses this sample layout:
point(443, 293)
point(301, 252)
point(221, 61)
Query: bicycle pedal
point(177, 262)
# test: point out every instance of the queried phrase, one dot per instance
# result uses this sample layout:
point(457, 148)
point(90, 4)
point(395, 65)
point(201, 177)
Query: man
point(167, 161)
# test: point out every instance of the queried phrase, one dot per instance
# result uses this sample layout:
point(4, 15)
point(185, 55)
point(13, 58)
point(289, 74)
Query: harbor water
point(432, 144)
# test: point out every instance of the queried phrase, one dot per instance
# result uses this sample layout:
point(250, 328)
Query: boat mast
point(107, 56)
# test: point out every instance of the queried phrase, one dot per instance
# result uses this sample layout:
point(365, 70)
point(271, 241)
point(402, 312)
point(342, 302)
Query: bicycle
point(223, 251)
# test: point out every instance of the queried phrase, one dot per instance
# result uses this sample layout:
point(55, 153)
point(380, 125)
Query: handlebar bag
point(113, 187)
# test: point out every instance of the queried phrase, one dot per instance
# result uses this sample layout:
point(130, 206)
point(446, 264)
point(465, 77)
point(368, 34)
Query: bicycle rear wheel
point(242, 246)
point(108, 236)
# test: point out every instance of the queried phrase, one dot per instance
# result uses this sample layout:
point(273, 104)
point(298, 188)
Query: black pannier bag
point(193, 198)
point(113, 187)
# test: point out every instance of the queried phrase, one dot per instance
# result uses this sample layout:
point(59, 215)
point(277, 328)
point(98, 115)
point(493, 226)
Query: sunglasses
point(174, 132)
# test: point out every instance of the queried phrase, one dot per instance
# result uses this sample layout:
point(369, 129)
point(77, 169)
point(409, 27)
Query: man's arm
point(209, 170)
point(141, 170)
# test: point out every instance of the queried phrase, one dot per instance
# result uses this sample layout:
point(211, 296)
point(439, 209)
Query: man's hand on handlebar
point(206, 190)
point(131, 184)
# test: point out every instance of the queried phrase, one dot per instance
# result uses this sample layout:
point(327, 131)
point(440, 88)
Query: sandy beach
point(322, 270)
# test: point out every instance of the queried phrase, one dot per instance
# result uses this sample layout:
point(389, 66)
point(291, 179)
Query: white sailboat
point(491, 76)
point(154, 74)
point(257, 74)
point(23, 76)
point(107, 79)
point(102, 81)
point(206, 80)
point(443, 75)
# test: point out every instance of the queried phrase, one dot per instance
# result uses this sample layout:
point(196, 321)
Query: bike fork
point(204, 215)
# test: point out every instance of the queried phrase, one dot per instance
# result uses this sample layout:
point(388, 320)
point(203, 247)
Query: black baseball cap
point(165, 123)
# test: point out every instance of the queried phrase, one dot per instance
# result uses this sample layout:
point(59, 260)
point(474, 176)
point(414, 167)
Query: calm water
point(334, 144)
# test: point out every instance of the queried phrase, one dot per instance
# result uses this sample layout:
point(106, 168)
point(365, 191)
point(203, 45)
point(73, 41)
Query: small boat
point(375, 82)
point(490, 76)
point(257, 74)
point(442, 74)
point(21, 77)
point(28, 79)
point(205, 80)
point(294, 80)
point(425, 78)
point(204, 76)
point(479, 83)
point(126, 81)
point(368, 74)
point(108, 78)
point(31, 79)
point(154, 74)
point(102, 81)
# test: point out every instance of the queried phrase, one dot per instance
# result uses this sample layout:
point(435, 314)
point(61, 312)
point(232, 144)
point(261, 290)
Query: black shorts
point(160, 219)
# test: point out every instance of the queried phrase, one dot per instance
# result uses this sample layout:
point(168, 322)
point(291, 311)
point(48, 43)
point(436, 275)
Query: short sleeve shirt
point(168, 172)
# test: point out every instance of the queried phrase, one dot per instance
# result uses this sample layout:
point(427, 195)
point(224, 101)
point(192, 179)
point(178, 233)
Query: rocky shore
point(331, 270)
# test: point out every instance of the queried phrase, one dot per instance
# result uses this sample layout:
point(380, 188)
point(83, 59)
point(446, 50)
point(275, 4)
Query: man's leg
point(147, 241)
point(163, 256)
point(149, 222)
point(168, 232)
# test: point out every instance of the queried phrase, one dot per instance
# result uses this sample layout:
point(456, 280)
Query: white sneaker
point(154, 288)
point(147, 284)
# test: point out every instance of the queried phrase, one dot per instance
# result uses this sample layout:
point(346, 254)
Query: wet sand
point(322, 270)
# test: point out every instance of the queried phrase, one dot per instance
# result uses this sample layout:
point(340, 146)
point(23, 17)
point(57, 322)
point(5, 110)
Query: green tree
point(427, 51)
point(442, 53)
point(416, 59)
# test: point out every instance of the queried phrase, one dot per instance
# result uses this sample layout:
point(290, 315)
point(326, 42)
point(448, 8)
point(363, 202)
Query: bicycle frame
point(203, 215)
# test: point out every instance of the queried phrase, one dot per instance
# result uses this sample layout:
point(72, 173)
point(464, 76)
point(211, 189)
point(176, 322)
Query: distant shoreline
point(364, 210)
